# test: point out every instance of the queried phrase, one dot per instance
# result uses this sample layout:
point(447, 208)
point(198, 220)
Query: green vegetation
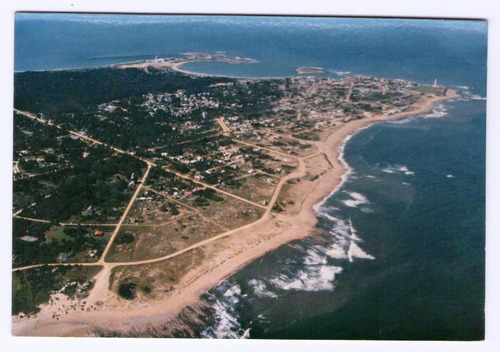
point(72, 242)
point(277, 207)
point(32, 287)
point(204, 195)
point(162, 180)
point(74, 90)
point(168, 120)
point(310, 136)
point(173, 208)
point(124, 237)
point(429, 89)
point(127, 289)
point(69, 178)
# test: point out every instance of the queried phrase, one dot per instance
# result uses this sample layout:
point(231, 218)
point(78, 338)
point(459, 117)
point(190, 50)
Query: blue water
point(420, 50)
point(415, 198)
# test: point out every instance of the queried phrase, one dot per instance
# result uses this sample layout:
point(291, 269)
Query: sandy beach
point(222, 257)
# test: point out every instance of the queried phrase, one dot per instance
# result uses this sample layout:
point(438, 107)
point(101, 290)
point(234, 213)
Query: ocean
point(400, 246)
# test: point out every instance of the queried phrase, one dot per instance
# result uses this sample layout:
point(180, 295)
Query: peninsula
point(139, 186)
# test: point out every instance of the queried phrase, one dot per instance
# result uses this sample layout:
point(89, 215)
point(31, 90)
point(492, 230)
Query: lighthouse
point(435, 82)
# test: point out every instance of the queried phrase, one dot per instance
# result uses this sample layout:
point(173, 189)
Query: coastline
point(230, 253)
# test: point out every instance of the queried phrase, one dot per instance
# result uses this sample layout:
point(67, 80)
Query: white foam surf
point(393, 169)
point(352, 232)
point(314, 258)
point(226, 324)
point(327, 216)
point(318, 206)
point(356, 252)
point(313, 278)
point(466, 95)
point(345, 243)
point(439, 110)
point(318, 273)
point(356, 199)
point(401, 121)
point(260, 289)
point(477, 97)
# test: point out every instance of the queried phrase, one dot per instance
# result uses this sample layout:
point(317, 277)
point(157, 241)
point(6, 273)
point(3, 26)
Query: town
point(160, 164)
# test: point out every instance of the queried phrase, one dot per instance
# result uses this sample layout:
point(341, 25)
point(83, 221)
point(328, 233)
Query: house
point(98, 233)
point(63, 257)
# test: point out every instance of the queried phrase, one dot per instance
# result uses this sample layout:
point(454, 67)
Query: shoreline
point(267, 234)
point(427, 107)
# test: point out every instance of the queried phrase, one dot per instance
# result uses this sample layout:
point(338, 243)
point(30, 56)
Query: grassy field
point(157, 241)
point(157, 210)
point(155, 279)
point(257, 188)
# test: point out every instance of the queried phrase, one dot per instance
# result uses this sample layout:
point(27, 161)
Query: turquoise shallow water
point(402, 252)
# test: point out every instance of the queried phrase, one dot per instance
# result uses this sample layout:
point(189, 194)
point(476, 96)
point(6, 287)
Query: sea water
point(402, 256)
point(399, 252)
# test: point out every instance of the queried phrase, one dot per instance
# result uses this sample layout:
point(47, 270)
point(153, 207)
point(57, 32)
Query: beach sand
point(222, 257)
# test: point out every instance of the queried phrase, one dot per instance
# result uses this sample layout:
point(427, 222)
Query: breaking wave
point(313, 278)
point(438, 110)
point(466, 94)
point(356, 252)
point(356, 199)
point(349, 171)
point(323, 262)
point(477, 97)
point(393, 169)
point(314, 266)
point(260, 289)
point(226, 319)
